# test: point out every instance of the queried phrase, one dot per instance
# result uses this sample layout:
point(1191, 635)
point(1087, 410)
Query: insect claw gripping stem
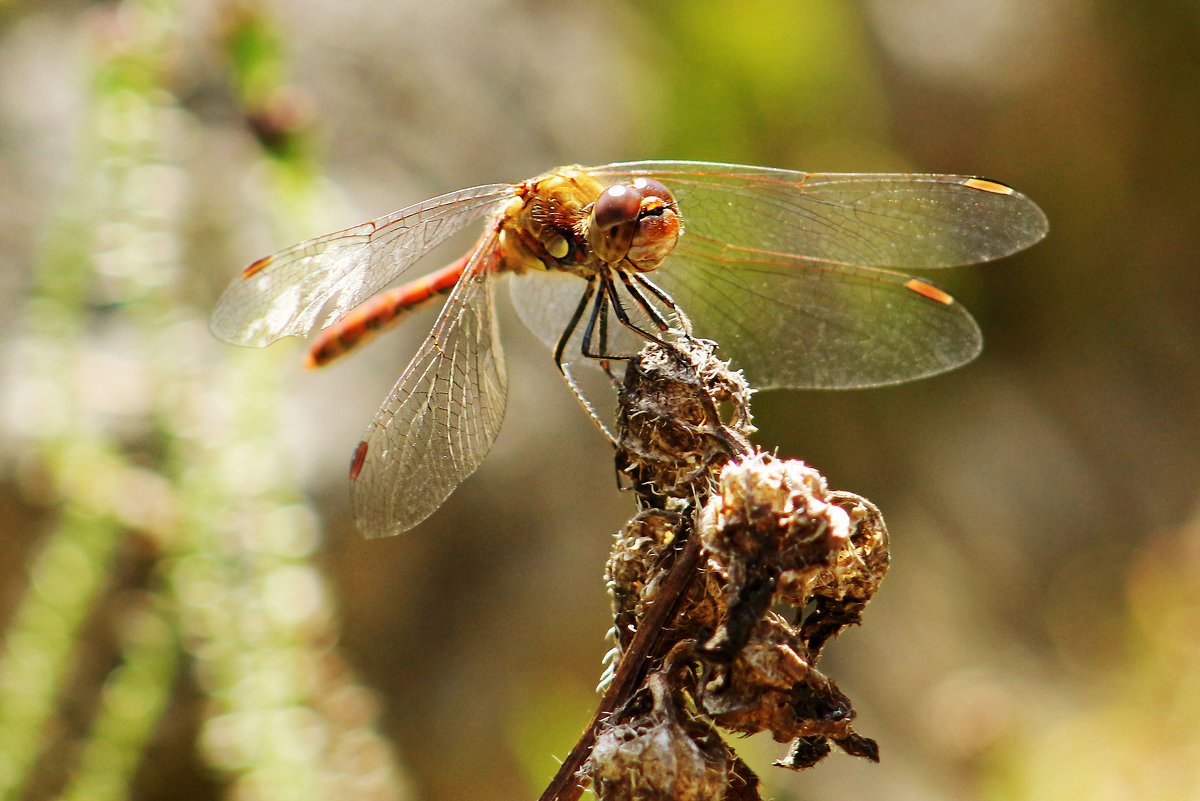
point(724, 535)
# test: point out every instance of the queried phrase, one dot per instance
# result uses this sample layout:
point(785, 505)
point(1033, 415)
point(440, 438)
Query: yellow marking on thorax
point(541, 224)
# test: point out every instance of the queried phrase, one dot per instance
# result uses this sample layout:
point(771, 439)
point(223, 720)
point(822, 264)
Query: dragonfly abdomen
point(362, 323)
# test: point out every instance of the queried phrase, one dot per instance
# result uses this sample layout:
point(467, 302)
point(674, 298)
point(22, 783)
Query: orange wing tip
point(988, 186)
point(258, 267)
point(928, 290)
point(356, 461)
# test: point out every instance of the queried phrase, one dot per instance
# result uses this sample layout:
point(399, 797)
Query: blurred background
point(187, 609)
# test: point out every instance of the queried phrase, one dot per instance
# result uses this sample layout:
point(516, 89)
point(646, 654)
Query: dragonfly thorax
point(567, 220)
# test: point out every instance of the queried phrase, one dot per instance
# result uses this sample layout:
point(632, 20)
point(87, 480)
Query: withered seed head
point(768, 510)
point(663, 754)
point(725, 533)
point(670, 425)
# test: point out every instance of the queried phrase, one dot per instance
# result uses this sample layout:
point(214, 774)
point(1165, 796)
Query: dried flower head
point(660, 753)
point(681, 412)
point(726, 538)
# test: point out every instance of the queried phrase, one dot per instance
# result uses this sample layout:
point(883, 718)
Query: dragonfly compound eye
point(613, 221)
point(637, 222)
point(615, 206)
point(650, 188)
point(657, 230)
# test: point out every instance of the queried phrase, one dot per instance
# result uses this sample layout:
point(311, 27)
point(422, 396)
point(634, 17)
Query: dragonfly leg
point(664, 298)
point(597, 325)
point(605, 363)
point(610, 288)
point(648, 307)
point(561, 347)
point(599, 322)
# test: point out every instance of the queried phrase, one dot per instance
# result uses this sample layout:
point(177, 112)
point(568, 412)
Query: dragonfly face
point(637, 223)
point(796, 275)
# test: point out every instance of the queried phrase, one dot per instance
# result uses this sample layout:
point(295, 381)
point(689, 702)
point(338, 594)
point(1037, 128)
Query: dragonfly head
point(637, 222)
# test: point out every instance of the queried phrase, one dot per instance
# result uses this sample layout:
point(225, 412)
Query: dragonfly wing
point(900, 221)
point(546, 301)
point(793, 322)
point(788, 270)
point(283, 294)
point(441, 417)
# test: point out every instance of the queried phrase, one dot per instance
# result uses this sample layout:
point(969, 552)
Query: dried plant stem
point(645, 650)
point(724, 535)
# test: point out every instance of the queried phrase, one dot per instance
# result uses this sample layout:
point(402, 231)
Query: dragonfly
point(801, 278)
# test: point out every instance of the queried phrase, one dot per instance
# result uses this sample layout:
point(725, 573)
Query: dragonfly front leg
point(561, 347)
point(598, 321)
point(684, 323)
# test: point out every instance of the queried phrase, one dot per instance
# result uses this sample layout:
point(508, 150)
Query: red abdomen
point(384, 310)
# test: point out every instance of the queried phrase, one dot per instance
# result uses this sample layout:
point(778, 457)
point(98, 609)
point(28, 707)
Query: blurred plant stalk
point(152, 444)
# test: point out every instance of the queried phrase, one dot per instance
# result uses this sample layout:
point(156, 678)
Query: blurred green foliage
point(160, 490)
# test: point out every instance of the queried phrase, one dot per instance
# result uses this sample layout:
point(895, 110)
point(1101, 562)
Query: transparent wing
point(546, 301)
point(792, 322)
point(899, 221)
point(282, 294)
point(441, 417)
point(785, 270)
point(784, 321)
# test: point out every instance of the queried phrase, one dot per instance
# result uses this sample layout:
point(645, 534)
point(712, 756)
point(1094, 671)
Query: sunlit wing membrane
point(785, 269)
point(284, 294)
point(899, 221)
point(545, 303)
point(791, 322)
point(441, 417)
